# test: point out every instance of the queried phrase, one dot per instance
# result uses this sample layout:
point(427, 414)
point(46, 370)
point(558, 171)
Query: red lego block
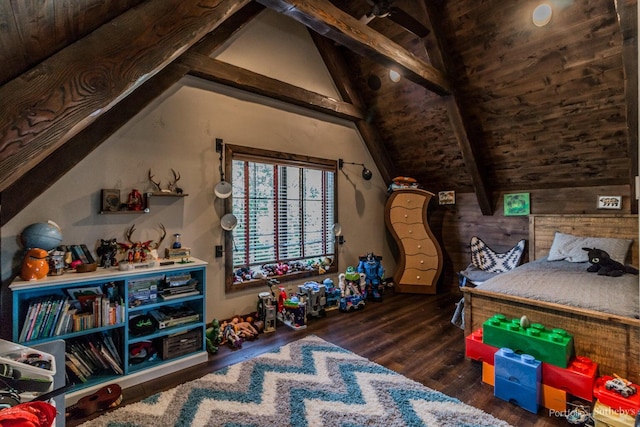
point(477, 350)
point(577, 379)
point(620, 404)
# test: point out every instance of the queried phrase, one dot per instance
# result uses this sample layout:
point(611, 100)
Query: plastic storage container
point(29, 371)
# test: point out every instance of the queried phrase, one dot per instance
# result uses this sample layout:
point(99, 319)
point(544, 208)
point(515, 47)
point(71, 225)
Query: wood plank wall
point(454, 225)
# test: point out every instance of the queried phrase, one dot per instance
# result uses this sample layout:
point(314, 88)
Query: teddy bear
point(605, 266)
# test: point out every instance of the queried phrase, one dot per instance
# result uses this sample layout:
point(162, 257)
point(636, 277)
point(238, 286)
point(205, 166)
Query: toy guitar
point(107, 397)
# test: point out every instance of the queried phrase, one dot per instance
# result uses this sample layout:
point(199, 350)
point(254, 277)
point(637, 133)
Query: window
point(286, 210)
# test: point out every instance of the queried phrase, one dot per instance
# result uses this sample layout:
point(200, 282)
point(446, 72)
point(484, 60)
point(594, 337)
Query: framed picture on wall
point(447, 197)
point(517, 204)
point(609, 202)
point(110, 200)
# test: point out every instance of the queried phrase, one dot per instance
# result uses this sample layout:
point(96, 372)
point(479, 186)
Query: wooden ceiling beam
point(628, 18)
point(50, 104)
point(460, 122)
point(341, 76)
point(230, 75)
point(332, 23)
point(27, 187)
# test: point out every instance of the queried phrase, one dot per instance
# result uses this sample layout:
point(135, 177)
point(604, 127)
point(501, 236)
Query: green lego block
point(553, 346)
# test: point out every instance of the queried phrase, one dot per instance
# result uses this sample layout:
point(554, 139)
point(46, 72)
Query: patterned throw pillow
point(486, 259)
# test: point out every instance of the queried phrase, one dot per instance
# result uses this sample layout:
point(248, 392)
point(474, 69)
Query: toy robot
point(372, 268)
point(350, 284)
point(313, 294)
point(333, 294)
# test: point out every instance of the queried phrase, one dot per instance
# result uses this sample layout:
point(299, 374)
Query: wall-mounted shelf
point(147, 203)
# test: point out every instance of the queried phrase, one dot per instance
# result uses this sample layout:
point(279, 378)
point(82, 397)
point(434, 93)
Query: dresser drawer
point(410, 231)
point(403, 215)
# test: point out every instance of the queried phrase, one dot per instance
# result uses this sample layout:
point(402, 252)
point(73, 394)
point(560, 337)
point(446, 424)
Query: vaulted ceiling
point(487, 101)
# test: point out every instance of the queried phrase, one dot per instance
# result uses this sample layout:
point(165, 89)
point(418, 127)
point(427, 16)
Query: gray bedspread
point(570, 284)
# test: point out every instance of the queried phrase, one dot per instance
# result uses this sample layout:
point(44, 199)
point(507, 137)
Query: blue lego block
point(518, 379)
point(553, 346)
point(522, 369)
point(523, 397)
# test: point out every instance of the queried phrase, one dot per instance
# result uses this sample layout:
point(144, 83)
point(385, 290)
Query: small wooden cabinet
point(420, 257)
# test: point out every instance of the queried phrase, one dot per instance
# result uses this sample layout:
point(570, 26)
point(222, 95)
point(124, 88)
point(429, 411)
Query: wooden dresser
point(420, 261)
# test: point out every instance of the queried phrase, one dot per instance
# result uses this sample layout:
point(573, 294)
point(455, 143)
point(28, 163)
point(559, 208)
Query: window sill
point(263, 283)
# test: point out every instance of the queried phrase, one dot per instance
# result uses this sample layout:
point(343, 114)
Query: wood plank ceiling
point(488, 102)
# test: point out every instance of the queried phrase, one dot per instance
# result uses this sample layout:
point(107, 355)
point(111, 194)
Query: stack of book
point(54, 315)
point(91, 355)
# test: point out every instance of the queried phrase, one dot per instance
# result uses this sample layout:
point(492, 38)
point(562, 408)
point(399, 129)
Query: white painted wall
point(178, 131)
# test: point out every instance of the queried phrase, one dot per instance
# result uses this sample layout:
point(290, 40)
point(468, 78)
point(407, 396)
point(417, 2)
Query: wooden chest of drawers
point(420, 258)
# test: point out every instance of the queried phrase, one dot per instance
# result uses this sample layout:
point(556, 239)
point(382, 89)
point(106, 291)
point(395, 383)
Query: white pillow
point(569, 247)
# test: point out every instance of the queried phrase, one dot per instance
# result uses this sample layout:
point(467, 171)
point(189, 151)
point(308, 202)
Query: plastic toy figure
point(621, 386)
point(107, 252)
point(350, 284)
point(372, 268)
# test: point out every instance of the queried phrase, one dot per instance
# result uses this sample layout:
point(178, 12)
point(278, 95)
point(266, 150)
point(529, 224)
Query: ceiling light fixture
point(366, 173)
point(542, 15)
point(394, 76)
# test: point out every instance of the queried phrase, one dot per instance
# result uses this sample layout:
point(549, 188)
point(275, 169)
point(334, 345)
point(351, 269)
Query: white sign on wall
point(609, 202)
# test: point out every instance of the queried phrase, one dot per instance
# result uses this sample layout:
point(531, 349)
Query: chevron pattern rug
point(309, 382)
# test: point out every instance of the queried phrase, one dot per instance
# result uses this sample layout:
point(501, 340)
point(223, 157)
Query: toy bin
point(30, 372)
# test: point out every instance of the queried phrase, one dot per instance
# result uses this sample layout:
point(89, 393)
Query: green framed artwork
point(517, 204)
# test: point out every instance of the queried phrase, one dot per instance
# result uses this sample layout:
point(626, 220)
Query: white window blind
point(285, 212)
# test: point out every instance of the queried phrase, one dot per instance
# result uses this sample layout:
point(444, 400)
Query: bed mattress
point(569, 283)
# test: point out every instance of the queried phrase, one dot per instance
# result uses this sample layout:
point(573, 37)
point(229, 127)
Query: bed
point(608, 336)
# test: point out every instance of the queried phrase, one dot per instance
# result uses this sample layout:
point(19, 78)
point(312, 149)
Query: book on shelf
point(75, 372)
point(90, 355)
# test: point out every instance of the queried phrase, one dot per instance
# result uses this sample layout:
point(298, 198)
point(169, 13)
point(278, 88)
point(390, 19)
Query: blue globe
point(42, 235)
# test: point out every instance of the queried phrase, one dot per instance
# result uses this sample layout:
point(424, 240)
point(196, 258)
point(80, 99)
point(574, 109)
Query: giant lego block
point(477, 350)
point(553, 346)
point(488, 373)
point(577, 379)
point(605, 416)
point(553, 398)
point(627, 405)
point(518, 379)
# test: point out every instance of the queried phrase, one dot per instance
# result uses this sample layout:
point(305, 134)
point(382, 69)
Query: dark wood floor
point(410, 334)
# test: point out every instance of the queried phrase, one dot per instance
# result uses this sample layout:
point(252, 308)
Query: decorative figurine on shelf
point(350, 290)
point(139, 252)
point(35, 265)
point(173, 185)
point(107, 252)
point(134, 202)
point(371, 266)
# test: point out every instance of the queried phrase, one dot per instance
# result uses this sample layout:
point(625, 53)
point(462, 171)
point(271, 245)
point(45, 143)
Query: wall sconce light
point(228, 222)
point(337, 231)
point(366, 173)
point(223, 188)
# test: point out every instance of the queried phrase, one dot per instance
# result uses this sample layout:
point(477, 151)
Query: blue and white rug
point(309, 382)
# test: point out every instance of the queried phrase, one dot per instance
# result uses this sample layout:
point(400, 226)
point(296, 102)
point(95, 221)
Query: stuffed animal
point(605, 266)
point(213, 335)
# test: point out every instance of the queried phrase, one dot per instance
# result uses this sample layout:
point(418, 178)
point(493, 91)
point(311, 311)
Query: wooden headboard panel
point(543, 227)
